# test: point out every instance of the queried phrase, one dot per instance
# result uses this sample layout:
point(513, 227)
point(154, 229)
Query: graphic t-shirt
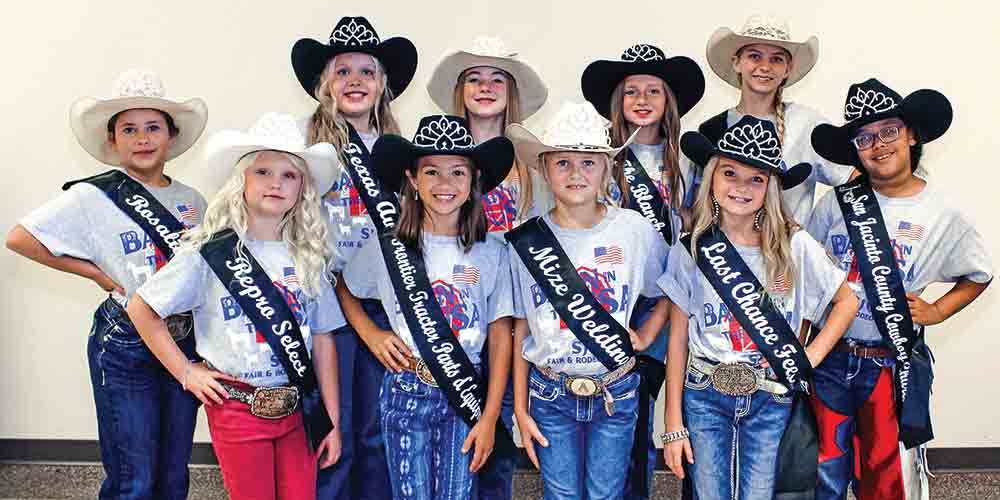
point(714, 334)
point(931, 240)
point(82, 222)
point(619, 259)
point(501, 204)
point(473, 289)
point(226, 337)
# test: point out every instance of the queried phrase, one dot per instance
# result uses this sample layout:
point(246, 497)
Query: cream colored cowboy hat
point(724, 44)
point(134, 89)
point(486, 51)
point(271, 132)
point(576, 127)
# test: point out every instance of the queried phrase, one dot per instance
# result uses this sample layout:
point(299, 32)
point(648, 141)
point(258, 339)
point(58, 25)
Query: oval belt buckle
point(424, 374)
point(274, 402)
point(734, 379)
point(583, 386)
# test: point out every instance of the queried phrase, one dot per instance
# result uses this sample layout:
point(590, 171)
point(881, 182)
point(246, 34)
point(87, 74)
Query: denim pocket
point(540, 390)
point(408, 385)
point(785, 399)
point(625, 387)
point(696, 380)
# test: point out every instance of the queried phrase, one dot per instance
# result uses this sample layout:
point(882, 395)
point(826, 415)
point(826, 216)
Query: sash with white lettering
point(437, 343)
point(139, 205)
point(264, 304)
point(886, 296)
point(645, 197)
point(551, 268)
point(382, 206)
point(744, 296)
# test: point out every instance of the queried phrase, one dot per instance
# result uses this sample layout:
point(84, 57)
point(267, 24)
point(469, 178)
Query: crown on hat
point(761, 26)
point(578, 124)
point(278, 130)
point(490, 46)
point(643, 53)
point(868, 98)
point(443, 133)
point(756, 140)
point(138, 83)
point(354, 31)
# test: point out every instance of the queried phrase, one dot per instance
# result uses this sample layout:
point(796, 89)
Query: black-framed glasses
point(886, 135)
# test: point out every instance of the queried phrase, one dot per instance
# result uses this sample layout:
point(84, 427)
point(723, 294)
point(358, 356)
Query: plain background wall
point(236, 56)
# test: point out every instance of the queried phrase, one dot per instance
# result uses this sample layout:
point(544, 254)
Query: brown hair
point(670, 129)
point(171, 126)
point(512, 114)
point(471, 219)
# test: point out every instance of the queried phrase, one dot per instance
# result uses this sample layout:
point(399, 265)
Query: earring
point(757, 218)
point(715, 210)
point(416, 195)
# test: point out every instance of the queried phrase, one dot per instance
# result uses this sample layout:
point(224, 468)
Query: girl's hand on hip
point(389, 349)
point(203, 382)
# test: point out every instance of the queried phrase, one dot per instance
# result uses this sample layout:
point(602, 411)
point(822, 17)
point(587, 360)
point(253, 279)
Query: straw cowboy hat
point(724, 44)
point(576, 127)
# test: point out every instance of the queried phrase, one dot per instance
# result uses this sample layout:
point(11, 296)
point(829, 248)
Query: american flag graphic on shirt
point(910, 231)
point(289, 278)
point(468, 275)
point(189, 214)
point(609, 255)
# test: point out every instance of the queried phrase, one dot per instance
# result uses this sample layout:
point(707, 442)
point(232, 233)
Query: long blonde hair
point(779, 105)
point(327, 125)
point(302, 227)
point(512, 114)
point(670, 129)
point(777, 227)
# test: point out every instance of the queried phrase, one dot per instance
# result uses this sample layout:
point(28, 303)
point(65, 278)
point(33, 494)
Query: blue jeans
point(145, 420)
point(495, 480)
point(588, 452)
point(423, 438)
point(361, 472)
point(657, 350)
point(735, 440)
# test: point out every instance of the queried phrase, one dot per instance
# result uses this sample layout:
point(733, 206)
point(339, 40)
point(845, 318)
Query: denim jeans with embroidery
point(734, 439)
point(495, 480)
point(423, 441)
point(588, 453)
point(145, 420)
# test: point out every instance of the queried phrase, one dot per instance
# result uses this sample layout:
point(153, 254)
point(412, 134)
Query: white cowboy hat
point(724, 44)
point(486, 51)
point(271, 132)
point(134, 89)
point(576, 127)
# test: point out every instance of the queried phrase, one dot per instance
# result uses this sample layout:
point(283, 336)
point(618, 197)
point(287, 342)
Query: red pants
point(260, 458)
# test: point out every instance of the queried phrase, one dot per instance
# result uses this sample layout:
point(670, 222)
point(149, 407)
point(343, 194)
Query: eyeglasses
point(886, 135)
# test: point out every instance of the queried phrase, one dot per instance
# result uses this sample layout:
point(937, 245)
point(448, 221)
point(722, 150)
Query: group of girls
point(367, 316)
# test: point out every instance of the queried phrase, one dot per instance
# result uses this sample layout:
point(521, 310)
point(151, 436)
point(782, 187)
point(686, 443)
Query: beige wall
point(236, 56)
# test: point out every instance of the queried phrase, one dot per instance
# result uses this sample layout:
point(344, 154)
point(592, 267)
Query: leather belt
point(861, 351)
point(736, 379)
point(584, 386)
point(266, 402)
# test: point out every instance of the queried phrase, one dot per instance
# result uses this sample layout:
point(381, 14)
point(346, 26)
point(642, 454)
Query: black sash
point(645, 198)
point(551, 268)
point(140, 206)
point(746, 298)
point(263, 303)
point(382, 206)
point(886, 296)
point(437, 343)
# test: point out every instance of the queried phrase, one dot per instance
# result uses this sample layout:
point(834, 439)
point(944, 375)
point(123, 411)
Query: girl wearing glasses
point(858, 387)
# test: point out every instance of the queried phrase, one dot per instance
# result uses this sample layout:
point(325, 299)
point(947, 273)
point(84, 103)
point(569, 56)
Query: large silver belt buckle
point(274, 402)
point(180, 325)
point(734, 379)
point(583, 387)
point(424, 373)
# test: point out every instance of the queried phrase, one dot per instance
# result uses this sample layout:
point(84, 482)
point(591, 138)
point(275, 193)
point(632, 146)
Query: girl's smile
point(887, 161)
point(354, 83)
point(576, 177)
point(739, 189)
point(141, 138)
point(762, 67)
point(485, 91)
point(443, 182)
point(644, 100)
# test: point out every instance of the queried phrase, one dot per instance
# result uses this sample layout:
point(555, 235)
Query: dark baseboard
point(75, 450)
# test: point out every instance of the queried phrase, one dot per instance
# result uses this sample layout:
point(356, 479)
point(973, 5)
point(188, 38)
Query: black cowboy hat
point(681, 74)
point(441, 135)
point(926, 111)
point(750, 141)
point(355, 34)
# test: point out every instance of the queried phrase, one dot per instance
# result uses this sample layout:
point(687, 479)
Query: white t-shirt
point(933, 243)
point(473, 289)
point(620, 258)
point(225, 337)
point(714, 334)
point(84, 223)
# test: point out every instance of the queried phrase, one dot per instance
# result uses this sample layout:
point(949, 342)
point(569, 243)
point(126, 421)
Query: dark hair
point(171, 126)
point(471, 219)
point(916, 150)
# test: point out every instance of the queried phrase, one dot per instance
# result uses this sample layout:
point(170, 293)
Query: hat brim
point(392, 155)
point(397, 55)
point(227, 147)
point(532, 91)
point(926, 111)
point(88, 117)
point(529, 148)
point(681, 74)
point(700, 150)
point(724, 44)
